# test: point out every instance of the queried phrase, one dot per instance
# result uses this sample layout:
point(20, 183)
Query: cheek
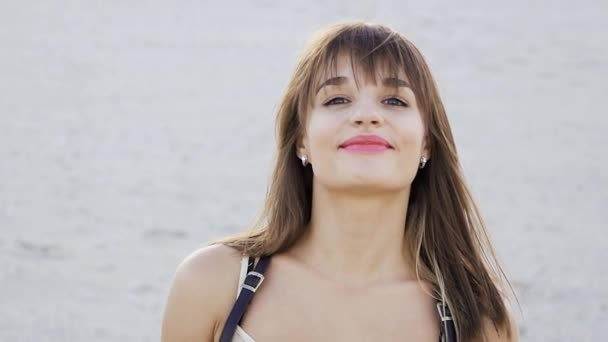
point(411, 133)
point(322, 134)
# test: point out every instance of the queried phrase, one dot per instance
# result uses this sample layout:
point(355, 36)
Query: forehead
point(361, 71)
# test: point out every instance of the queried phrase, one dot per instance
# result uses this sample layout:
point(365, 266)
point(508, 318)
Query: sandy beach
point(131, 133)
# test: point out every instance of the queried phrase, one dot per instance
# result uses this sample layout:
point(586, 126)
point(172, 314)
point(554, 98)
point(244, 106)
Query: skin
point(357, 194)
point(349, 278)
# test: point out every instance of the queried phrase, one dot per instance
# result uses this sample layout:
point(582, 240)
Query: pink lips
point(366, 143)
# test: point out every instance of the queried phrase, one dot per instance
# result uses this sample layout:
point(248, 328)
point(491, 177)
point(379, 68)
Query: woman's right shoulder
point(215, 261)
point(202, 293)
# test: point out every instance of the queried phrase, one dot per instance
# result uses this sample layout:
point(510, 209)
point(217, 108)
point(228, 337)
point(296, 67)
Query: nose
point(366, 114)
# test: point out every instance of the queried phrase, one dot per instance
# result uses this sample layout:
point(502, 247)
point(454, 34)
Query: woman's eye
point(336, 101)
point(393, 101)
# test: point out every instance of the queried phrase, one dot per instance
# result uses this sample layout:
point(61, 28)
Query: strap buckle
point(444, 312)
point(253, 287)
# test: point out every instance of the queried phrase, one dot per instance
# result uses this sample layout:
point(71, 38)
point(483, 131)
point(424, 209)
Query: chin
point(367, 184)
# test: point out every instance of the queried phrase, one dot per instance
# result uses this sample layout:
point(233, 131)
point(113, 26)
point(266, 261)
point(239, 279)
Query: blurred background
point(132, 132)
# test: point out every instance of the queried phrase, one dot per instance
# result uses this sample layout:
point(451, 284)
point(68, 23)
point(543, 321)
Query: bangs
point(373, 52)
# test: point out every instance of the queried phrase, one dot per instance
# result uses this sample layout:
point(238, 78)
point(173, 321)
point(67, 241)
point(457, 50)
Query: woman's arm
point(201, 294)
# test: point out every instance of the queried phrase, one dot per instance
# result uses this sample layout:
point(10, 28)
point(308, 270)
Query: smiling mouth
point(370, 148)
point(366, 143)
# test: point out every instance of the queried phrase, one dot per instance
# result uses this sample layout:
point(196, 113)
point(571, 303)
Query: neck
point(359, 239)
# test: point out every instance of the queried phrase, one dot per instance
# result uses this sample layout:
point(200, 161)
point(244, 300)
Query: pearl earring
point(422, 162)
point(304, 160)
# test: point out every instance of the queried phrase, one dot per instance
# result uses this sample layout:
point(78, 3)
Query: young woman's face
point(342, 111)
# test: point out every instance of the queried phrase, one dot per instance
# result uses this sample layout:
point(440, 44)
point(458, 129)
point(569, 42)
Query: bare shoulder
point(216, 262)
point(201, 294)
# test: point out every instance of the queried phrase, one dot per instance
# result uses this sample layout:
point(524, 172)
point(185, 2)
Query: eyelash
point(329, 103)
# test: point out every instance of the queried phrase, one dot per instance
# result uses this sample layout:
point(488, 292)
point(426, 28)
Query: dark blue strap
point(448, 329)
point(251, 284)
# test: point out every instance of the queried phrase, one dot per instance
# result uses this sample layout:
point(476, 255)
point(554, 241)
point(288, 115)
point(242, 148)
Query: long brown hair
point(444, 228)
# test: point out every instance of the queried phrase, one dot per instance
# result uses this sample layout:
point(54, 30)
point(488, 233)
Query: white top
point(241, 335)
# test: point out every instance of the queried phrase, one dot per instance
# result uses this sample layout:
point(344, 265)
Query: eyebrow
point(387, 82)
point(395, 82)
point(337, 81)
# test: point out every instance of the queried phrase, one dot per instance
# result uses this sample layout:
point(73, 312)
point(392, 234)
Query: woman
point(369, 232)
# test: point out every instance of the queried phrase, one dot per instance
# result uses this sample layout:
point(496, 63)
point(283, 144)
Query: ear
point(426, 151)
point(302, 146)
